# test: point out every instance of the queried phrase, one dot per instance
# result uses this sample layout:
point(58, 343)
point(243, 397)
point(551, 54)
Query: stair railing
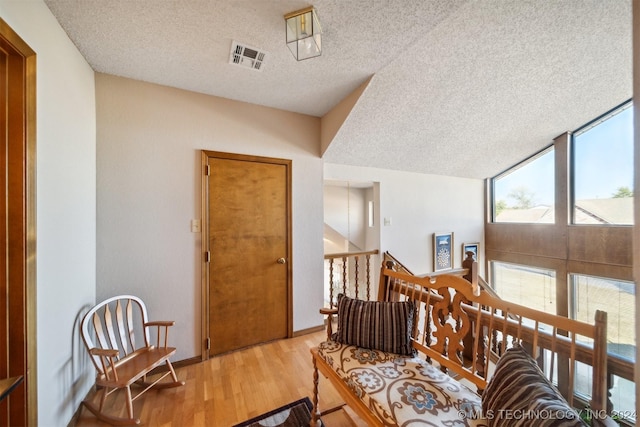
point(350, 273)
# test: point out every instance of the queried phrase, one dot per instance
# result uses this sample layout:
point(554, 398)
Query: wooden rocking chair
point(115, 323)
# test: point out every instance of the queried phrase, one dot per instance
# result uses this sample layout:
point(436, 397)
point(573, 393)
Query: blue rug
point(295, 414)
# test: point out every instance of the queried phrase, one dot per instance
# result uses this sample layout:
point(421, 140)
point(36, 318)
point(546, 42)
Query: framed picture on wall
point(442, 251)
point(470, 247)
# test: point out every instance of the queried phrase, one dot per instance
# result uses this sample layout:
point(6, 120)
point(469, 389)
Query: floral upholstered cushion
point(378, 325)
point(403, 390)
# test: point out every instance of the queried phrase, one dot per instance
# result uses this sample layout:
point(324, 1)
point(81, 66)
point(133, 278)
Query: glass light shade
point(304, 35)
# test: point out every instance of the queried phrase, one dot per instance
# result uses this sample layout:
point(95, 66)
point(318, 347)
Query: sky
point(603, 159)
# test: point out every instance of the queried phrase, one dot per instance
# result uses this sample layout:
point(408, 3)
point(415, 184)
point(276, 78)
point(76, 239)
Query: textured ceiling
point(460, 87)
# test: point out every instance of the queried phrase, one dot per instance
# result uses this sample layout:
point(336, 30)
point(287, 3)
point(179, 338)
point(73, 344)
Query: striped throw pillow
point(519, 394)
point(376, 325)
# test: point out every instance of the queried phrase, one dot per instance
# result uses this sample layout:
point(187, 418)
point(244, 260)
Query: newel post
point(385, 281)
point(472, 272)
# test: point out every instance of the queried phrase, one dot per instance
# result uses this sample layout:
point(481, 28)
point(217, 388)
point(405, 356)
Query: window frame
point(523, 163)
point(572, 150)
point(563, 246)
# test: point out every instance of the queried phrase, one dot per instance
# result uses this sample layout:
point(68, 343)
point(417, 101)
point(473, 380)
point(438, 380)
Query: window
point(525, 285)
point(603, 169)
point(599, 180)
point(617, 298)
point(525, 193)
point(531, 287)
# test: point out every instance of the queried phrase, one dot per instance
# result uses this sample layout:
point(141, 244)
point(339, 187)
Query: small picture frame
point(471, 247)
point(442, 251)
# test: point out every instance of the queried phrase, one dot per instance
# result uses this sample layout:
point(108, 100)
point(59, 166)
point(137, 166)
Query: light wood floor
point(235, 387)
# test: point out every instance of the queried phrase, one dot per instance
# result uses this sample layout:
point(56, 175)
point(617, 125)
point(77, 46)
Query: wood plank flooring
point(234, 387)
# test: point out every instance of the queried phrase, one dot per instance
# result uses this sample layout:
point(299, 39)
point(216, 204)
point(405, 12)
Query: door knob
point(282, 261)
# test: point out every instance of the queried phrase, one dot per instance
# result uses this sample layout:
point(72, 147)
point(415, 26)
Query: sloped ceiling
point(458, 87)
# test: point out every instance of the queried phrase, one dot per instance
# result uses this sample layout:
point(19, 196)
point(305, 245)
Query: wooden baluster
point(413, 291)
point(344, 275)
point(609, 387)
point(460, 353)
point(534, 345)
point(572, 356)
point(491, 336)
point(399, 295)
point(553, 353)
point(331, 303)
point(444, 311)
point(416, 319)
point(468, 350)
point(494, 334)
point(356, 259)
point(393, 289)
point(427, 322)
point(368, 277)
point(478, 346)
point(315, 413)
point(504, 331)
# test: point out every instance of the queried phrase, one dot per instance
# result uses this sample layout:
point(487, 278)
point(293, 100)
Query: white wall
point(149, 142)
point(66, 167)
point(417, 206)
point(345, 210)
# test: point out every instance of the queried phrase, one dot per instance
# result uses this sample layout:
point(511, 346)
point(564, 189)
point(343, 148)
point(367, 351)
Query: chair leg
point(315, 414)
point(103, 397)
point(175, 382)
point(173, 373)
point(129, 402)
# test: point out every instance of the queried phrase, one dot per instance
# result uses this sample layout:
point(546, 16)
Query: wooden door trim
point(24, 136)
point(205, 156)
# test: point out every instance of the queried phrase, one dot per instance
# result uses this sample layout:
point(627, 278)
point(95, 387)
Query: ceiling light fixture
point(304, 33)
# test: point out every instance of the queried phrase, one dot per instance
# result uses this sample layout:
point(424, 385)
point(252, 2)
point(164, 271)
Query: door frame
point(206, 254)
point(21, 253)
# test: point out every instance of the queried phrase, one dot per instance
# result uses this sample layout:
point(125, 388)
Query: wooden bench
point(462, 332)
point(123, 354)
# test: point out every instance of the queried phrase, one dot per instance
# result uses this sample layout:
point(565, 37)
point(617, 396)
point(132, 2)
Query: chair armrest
point(161, 324)
point(104, 352)
point(108, 357)
point(329, 312)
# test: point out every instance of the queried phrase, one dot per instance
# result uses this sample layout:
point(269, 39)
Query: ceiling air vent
point(246, 56)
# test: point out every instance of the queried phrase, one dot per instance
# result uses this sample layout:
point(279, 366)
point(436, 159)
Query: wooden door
point(247, 234)
point(17, 227)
